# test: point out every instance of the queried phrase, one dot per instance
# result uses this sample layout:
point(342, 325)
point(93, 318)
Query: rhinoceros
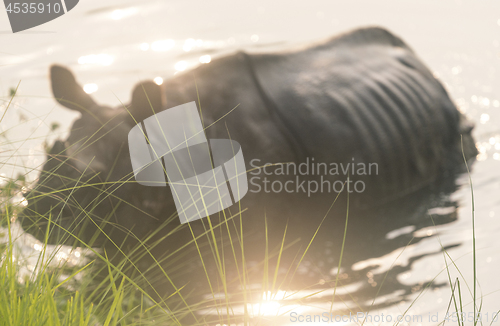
point(362, 97)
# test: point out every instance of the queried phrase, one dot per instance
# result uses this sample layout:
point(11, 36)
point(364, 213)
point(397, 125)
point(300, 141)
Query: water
point(113, 46)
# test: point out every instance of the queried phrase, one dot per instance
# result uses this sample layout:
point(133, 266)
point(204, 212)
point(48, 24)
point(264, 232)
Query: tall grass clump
point(44, 295)
point(56, 292)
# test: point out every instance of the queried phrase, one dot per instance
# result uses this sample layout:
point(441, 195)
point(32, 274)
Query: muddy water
point(112, 46)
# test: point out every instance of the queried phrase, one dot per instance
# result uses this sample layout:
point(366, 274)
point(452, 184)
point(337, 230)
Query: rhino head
point(86, 187)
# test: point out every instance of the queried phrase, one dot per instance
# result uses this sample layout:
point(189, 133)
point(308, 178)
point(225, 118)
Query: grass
point(55, 293)
point(58, 294)
point(39, 300)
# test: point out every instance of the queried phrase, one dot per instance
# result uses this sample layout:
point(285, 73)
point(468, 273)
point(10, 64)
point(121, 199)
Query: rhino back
point(364, 95)
point(232, 107)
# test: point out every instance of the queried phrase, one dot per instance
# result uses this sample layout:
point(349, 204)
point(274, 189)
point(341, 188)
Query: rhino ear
point(67, 91)
point(147, 99)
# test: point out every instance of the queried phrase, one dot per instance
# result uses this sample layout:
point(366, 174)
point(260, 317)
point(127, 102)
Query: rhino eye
point(85, 160)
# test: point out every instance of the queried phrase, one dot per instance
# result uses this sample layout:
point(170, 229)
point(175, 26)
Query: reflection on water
point(205, 58)
point(181, 65)
point(373, 274)
point(164, 45)
point(90, 88)
point(158, 80)
point(28, 253)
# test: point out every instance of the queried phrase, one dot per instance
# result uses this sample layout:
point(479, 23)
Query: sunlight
point(90, 88)
point(189, 44)
point(205, 58)
point(158, 80)
point(181, 66)
point(267, 308)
